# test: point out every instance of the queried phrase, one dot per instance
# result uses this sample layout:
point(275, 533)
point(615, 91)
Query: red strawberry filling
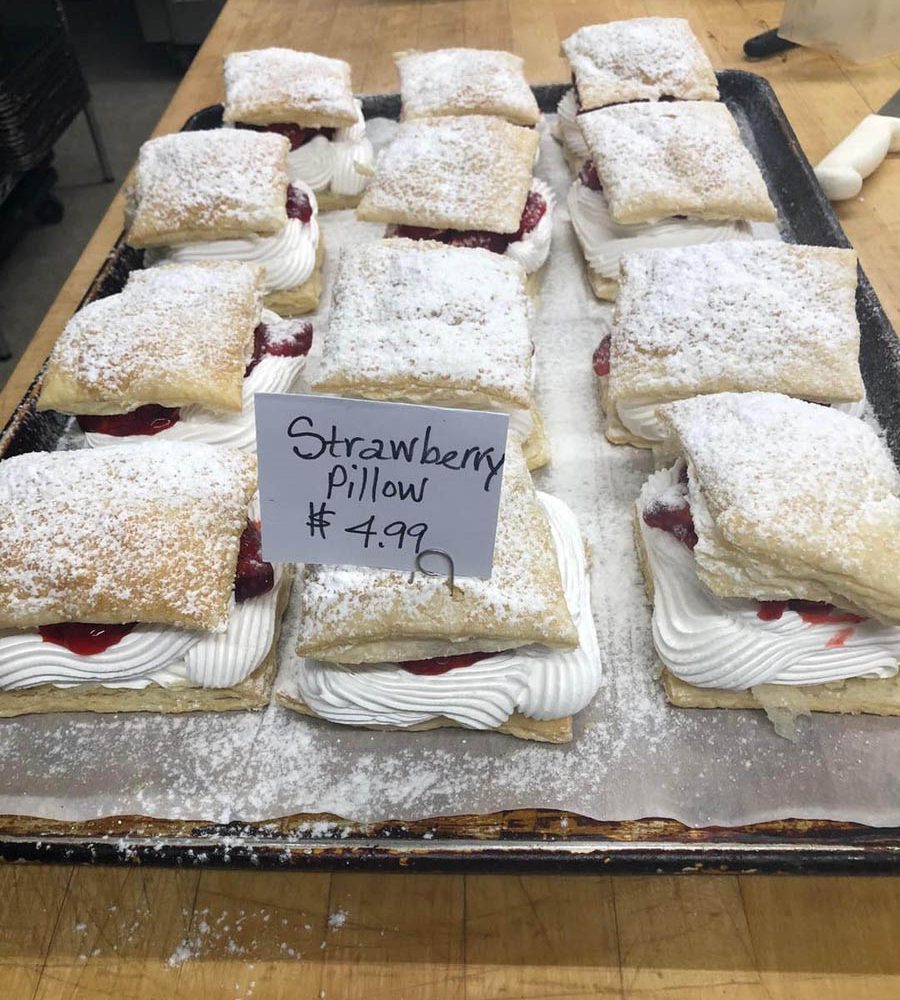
point(84, 639)
point(145, 420)
point(534, 210)
point(293, 344)
point(298, 205)
point(297, 135)
point(601, 356)
point(252, 577)
point(442, 664)
point(152, 418)
point(588, 176)
point(812, 612)
point(675, 517)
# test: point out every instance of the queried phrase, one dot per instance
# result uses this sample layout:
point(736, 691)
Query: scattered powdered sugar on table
point(632, 756)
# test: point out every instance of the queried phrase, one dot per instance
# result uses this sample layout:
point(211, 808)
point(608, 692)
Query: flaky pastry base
point(855, 696)
point(520, 726)
point(254, 692)
point(605, 289)
point(328, 201)
point(303, 298)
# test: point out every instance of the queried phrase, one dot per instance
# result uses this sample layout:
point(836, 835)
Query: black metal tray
point(524, 840)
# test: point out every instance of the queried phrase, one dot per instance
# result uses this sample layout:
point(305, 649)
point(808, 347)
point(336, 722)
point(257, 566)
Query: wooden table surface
point(137, 933)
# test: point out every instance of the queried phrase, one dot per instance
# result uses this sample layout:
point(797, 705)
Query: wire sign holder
point(444, 554)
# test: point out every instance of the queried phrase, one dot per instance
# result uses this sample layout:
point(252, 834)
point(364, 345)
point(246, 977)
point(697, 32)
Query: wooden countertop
point(134, 933)
point(824, 98)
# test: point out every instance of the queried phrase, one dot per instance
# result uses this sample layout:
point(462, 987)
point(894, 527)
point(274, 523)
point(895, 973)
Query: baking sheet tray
point(727, 784)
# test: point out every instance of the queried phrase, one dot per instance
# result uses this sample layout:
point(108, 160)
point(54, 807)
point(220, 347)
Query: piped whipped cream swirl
point(533, 680)
point(603, 241)
point(531, 251)
point(342, 164)
point(718, 642)
point(237, 430)
point(150, 654)
point(568, 131)
point(289, 257)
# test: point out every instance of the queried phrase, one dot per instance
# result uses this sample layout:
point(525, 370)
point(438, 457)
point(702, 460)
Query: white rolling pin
point(842, 171)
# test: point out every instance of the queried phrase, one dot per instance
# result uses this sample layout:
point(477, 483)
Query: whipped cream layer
point(237, 430)
point(643, 421)
point(718, 642)
point(603, 241)
point(342, 164)
point(533, 680)
point(531, 251)
point(568, 131)
point(289, 257)
point(150, 654)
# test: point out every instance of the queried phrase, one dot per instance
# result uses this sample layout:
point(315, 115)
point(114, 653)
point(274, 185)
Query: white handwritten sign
point(351, 481)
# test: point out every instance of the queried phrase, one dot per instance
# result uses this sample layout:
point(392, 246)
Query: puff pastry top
point(736, 316)
point(465, 82)
point(268, 86)
point(176, 335)
point(144, 533)
point(219, 184)
point(659, 160)
point(424, 322)
point(471, 172)
point(791, 499)
point(643, 59)
point(359, 615)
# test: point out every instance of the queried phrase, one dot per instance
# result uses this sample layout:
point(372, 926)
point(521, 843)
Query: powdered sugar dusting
point(472, 172)
point(409, 318)
point(681, 158)
point(523, 596)
point(127, 533)
point(170, 330)
point(737, 316)
point(465, 81)
point(306, 87)
point(808, 491)
point(644, 58)
point(212, 184)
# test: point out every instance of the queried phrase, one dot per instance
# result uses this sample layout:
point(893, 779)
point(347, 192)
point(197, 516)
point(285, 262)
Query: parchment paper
point(633, 756)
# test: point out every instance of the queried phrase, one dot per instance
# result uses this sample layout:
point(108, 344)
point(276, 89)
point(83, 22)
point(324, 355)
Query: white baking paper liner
point(633, 756)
